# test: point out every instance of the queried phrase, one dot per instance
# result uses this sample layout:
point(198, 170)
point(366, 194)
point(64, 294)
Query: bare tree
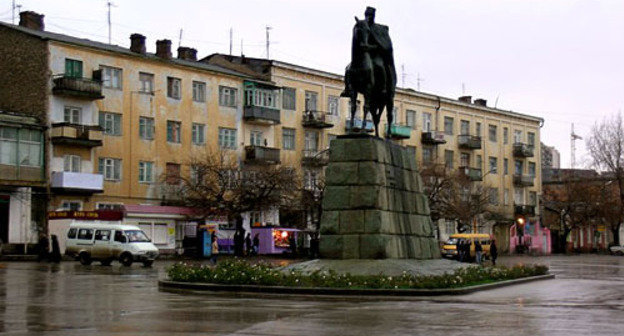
point(606, 148)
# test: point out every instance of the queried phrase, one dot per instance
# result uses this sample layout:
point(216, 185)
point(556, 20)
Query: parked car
point(108, 242)
point(617, 250)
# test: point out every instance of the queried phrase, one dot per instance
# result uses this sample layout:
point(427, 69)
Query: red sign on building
point(109, 215)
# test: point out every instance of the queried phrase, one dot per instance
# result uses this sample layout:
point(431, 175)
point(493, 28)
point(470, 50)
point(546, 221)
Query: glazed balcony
point(522, 180)
point(433, 138)
point(317, 119)
point(359, 126)
point(76, 183)
point(77, 135)
point(527, 210)
point(522, 150)
point(77, 87)
point(399, 131)
point(315, 157)
point(469, 141)
point(261, 115)
point(262, 155)
point(473, 174)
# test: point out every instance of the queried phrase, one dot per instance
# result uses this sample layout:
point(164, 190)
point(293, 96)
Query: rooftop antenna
point(109, 5)
point(231, 34)
point(180, 39)
point(268, 41)
point(463, 89)
point(13, 9)
point(242, 53)
point(573, 138)
point(403, 75)
point(496, 101)
point(418, 80)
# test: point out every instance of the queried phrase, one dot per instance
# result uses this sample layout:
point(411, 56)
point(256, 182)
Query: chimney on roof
point(187, 54)
point(480, 102)
point(465, 99)
point(163, 49)
point(137, 43)
point(31, 20)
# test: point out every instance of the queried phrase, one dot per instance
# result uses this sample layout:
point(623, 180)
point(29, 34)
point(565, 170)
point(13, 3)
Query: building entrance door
point(4, 217)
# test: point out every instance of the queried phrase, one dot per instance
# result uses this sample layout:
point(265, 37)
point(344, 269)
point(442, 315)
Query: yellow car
point(449, 249)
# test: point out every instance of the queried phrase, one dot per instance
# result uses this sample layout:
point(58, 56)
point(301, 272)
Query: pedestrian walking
point(493, 252)
point(248, 244)
point(256, 243)
point(459, 248)
point(214, 253)
point(56, 250)
point(43, 247)
point(478, 251)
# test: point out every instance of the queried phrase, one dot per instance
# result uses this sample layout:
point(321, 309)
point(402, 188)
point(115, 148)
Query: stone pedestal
point(373, 206)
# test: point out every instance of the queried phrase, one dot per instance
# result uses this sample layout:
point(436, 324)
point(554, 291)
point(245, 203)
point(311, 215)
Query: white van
point(108, 242)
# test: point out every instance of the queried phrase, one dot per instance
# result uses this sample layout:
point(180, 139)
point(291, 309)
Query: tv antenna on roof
point(268, 41)
point(109, 5)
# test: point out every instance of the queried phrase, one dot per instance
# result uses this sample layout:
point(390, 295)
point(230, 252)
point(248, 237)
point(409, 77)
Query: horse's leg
point(376, 120)
point(353, 108)
point(367, 102)
point(389, 110)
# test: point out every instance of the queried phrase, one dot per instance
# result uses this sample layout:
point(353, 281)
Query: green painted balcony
point(399, 131)
point(522, 150)
point(473, 174)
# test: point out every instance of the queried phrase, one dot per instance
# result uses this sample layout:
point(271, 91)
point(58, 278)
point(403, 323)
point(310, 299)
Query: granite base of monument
point(374, 206)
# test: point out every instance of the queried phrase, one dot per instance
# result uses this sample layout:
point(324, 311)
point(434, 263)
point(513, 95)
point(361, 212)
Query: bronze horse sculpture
point(367, 75)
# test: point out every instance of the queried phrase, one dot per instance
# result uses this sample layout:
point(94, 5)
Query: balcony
point(261, 115)
point(77, 135)
point(359, 126)
point(527, 210)
point(433, 138)
point(522, 150)
point(398, 131)
point(76, 183)
point(262, 155)
point(521, 180)
point(469, 141)
point(317, 119)
point(315, 157)
point(473, 174)
point(77, 87)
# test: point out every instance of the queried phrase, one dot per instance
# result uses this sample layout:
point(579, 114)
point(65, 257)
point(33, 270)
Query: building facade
point(551, 158)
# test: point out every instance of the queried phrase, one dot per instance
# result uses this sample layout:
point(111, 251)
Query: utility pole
point(231, 35)
point(268, 41)
point(573, 138)
point(109, 4)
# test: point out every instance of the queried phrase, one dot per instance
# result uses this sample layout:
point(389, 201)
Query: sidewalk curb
point(195, 286)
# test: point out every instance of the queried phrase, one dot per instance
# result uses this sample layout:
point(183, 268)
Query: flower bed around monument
point(239, 272)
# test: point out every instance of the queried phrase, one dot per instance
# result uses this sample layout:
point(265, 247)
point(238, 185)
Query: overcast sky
point(557, 59)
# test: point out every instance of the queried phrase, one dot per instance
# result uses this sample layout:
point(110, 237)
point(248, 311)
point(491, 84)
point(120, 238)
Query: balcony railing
point(359, 126)
point(522, 180)
point(399, 131)
point(317, 119)
point(77, 183)
point(469, 141)
point(473, 174)
point(433, 138)
point(77, 87)
point(522, 150)
point(262, 155)
point(79, 135)
point(315, 157)
point(528, 210)
point(261, 115)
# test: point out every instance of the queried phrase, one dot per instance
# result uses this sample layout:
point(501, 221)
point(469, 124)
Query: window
point(110, 123)
point(464, 127)
point(506, 197)
point(448, 125)
point(227, 96)
point(72, 233)
point(479, 162)
point(478, 129)
point(492, 132)
point(519, 169)
point(493, 165)
point(73, 68)
point(330, 137)
point(426, 122)
point(410, 118)
point(532, 169)
point(199, 134)
point(505, 135)
point(255, 96)
point(72, 115)
point(173, 131)
point(310, 101)
point(256, 138)
point(145, 171)
point(412, 150)
point(310, 179)
point(493, 196)
point(505, 166)
point(146, 81)
point(427, 155)
point(146, 128)
point(531, 139)
point(227, 138)
point(464, 160)
point(174, 87)
point(332, 105)
point(519, 196)
point(311, 141)
point(449, 227)
point(71, 205)
point(109, 206)
point(8, 145)
point(288, 138)
point(103, 235)
point(25, 152)
point(532, 198)
point(289, 99)
point(517, 136)
point(173, 173)
point(86, 234)
point(448, 159)
point(71, 163)
point(199, 91)
point(110, 168)
point(111, 77)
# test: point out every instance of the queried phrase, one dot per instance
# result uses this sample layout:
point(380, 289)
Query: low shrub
point(239, 272)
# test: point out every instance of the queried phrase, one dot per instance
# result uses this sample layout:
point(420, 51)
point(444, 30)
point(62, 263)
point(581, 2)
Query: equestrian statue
point(371, 71)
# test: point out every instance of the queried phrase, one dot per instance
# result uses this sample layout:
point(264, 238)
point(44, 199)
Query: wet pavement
point(586, 298)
